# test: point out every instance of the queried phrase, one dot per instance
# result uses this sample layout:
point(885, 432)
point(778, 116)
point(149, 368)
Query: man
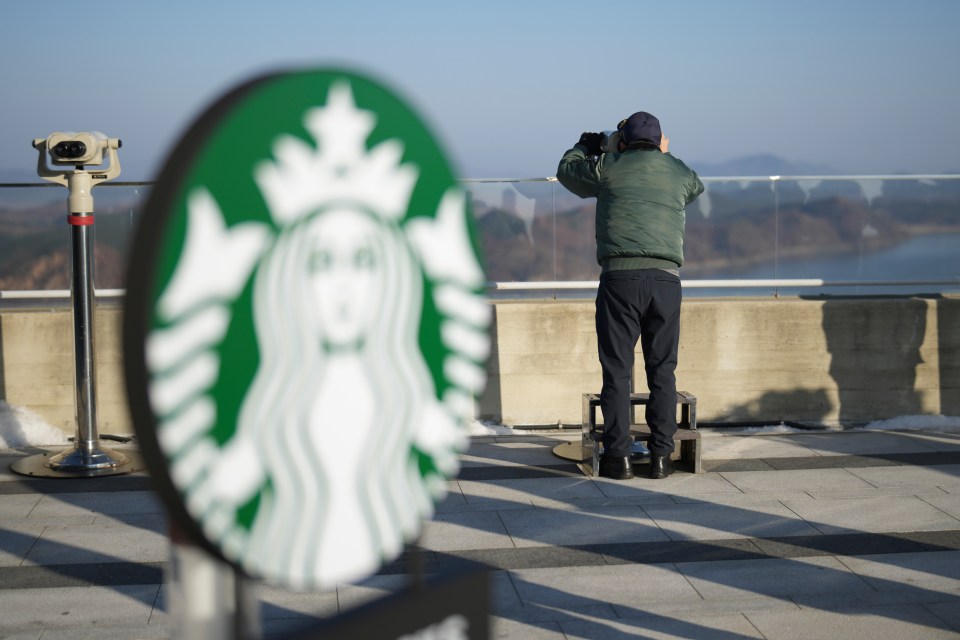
point(641, 192)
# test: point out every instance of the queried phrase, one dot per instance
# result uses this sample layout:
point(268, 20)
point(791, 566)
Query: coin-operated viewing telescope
point(70, 153)
point(78, 150)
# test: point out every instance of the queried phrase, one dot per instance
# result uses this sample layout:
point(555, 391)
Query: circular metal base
point(570, 451)
point(574, 451)
point(73, 463)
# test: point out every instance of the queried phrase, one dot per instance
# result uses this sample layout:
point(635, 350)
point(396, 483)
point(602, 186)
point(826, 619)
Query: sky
point(855, 87)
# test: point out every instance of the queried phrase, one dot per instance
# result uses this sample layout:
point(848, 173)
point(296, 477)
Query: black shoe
point(660, 465)
point(616, 468)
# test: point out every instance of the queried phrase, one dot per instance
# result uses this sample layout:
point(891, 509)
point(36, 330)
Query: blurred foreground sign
point(304, 330)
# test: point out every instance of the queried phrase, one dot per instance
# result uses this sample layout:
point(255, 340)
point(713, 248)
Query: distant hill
point(752, 165)
point(18, 175)
point(761, 165)
point(14, 198)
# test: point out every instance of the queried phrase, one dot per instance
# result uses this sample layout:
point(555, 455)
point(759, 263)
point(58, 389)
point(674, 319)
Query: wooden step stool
point(687, 434)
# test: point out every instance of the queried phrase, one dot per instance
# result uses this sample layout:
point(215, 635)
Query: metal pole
point(87, 457)
point(81, 294)
point(208, 598)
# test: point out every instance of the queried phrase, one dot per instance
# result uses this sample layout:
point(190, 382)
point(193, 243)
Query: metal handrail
point(56, 294)
point(923, 176)
point(782, 283)
point(583, 285)
point(21, 185)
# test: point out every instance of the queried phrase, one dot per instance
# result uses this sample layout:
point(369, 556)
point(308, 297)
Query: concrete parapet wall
point(823, 360)
point(37, 366)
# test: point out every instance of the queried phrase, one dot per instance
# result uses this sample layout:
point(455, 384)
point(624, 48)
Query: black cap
point(641, 127)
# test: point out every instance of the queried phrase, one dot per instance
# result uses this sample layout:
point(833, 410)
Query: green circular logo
point(305, 332)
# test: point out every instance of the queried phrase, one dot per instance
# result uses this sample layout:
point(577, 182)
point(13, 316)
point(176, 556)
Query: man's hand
point(664, 143)
point(592, 142)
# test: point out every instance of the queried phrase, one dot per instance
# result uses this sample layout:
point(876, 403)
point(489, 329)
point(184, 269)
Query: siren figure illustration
point(342, 411)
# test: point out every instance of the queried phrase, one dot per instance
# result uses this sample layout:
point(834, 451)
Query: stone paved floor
point(852, 534)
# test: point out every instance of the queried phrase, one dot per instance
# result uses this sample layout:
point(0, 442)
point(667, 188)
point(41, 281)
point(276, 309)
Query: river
point(922, 257)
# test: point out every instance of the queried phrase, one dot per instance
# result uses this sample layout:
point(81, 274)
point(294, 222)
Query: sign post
point(208, 598)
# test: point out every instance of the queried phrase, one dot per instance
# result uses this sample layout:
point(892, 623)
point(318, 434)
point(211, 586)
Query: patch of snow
point(774, 428)
point(21, 427)
point(489, 428)
point(944, 424)
point(925, 423)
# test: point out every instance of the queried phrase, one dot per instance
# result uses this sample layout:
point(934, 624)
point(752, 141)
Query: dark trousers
point(644, 304)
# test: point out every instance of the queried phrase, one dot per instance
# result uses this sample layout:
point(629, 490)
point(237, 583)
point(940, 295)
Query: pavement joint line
point(675, 552)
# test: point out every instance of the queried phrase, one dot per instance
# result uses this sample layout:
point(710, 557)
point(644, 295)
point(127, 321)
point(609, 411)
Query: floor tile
point(718, 521)
point(928, 571)
point(773, 577)
point(278, 603)
point(508, 494)
point(99, 503)
point(503, 628)
point(949, 612)
point(678, 484)
point(875, 515)
point(17, 506)
point(468, 530)
point(663, 627)
point(724, 447)
point(71, 606)
point(90, 543)
point(862, 443)
point(579, 527)
point(947, 476)
point(802, 480)
point(509, 454)
point(873, 492)
point(948, 503)
point(351, 596)
point(908, 621)
point(625, 585)
point(16, 540)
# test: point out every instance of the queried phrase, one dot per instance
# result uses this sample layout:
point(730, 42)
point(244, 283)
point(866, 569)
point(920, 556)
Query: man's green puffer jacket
point(640, 196)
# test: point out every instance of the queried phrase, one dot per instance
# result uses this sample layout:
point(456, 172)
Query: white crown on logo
point(340, 169)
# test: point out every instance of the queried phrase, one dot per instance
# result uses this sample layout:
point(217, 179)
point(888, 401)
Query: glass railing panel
point(34, 239)
point(790, 229)
point(576, 237)
point(869, 230)
point(731, 233)
point(828, 228)
point(118, 209)
point(927, 214)
point(515, 224)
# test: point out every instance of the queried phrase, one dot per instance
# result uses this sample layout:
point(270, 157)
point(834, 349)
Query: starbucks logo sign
point(305, 332)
